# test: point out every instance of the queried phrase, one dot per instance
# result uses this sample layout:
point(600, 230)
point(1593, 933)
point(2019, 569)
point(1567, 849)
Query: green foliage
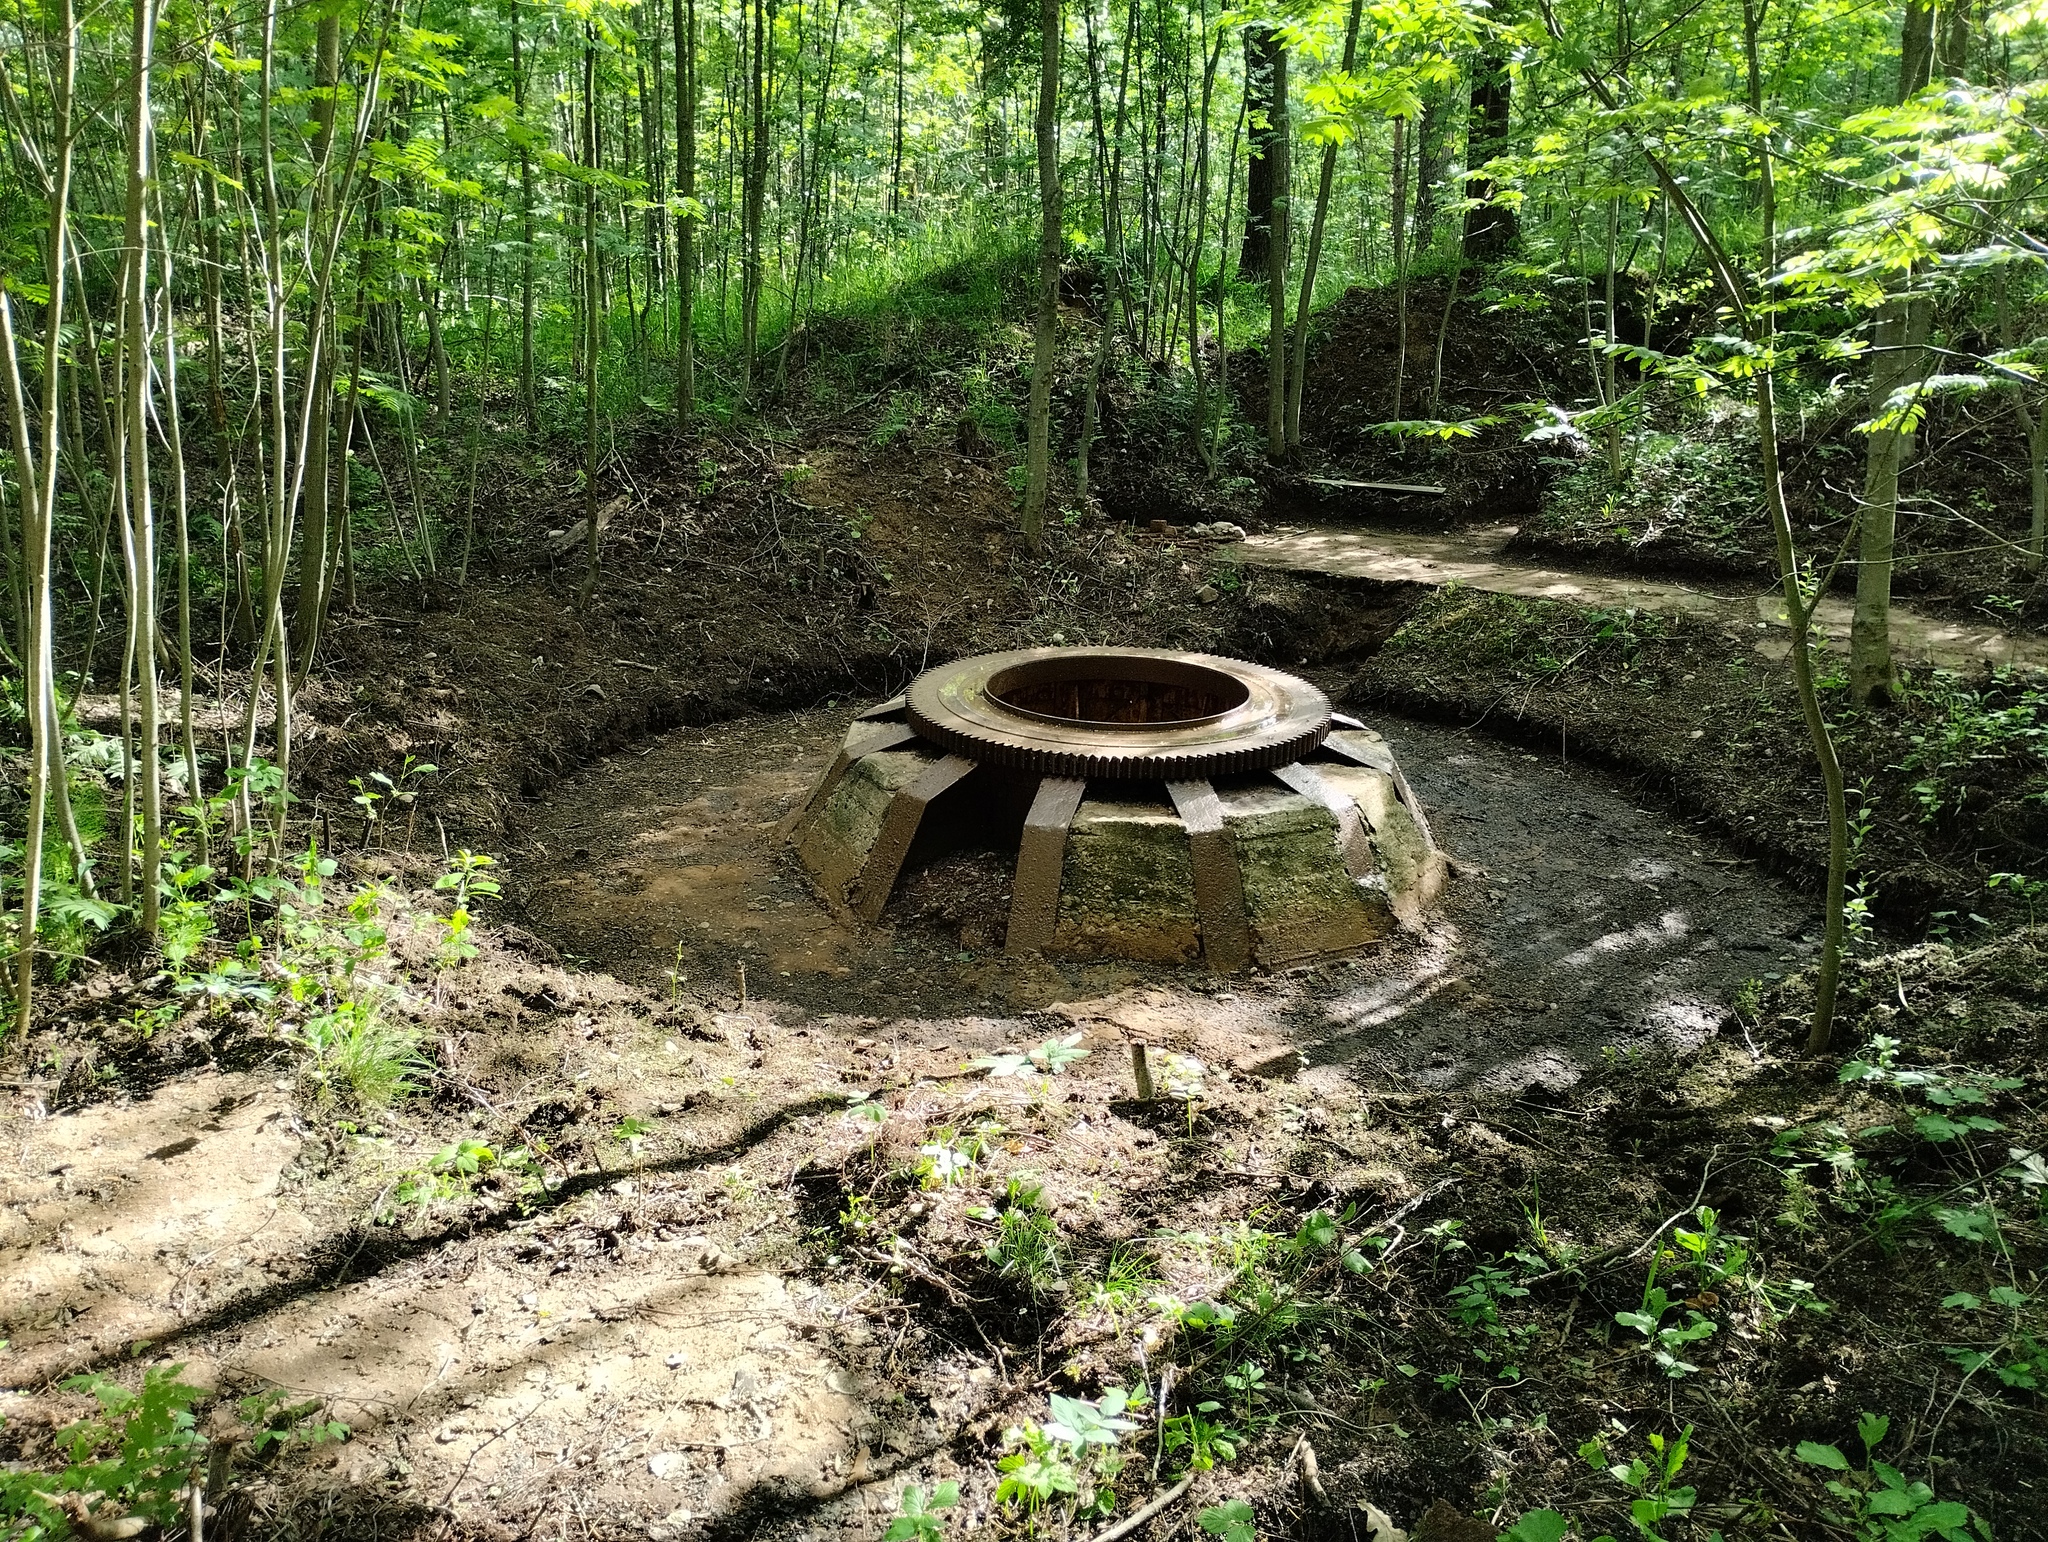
point(463, 879)
point(919, 1518)
point(1231, 1521)
point(1070, 1459)
point(1653, 1478)
point(1878, 1503)
point(1967, 732)
point(132, 1460)
point(1026, 1247)
point(1051, 1057)
point(362, 1057)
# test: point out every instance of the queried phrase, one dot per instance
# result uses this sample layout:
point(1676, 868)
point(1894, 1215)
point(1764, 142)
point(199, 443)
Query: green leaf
point(1977, 1223)
point(1537, 1526)
point(1814, 1454)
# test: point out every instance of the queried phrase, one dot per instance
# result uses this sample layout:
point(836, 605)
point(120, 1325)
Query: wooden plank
point(1219, 886)
point(1428, 489)
point(1041, 854)
point(869, 892)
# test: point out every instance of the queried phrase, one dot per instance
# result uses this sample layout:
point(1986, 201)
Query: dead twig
point(1137, 1518)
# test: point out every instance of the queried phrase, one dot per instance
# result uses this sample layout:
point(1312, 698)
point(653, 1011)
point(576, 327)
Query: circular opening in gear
point(1106, 691)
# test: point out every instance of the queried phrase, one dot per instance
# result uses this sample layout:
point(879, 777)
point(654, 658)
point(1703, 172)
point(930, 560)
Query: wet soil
point(1580, 927)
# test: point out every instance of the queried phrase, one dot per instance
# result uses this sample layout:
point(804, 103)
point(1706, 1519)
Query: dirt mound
point(1496, 356)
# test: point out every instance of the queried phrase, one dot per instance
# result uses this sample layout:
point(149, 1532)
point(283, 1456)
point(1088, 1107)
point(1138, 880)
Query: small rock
point(1208, 594)
point(594, 691)
point(667, 1465)
point(675, 1361)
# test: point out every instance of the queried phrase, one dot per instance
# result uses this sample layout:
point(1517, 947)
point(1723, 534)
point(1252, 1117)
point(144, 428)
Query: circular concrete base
point(1311, 858)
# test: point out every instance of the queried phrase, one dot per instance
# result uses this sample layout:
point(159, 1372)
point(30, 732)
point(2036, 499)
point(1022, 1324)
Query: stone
point(1298, 897)
point(1127, 885)
point(1414, 869)
point(842, 831)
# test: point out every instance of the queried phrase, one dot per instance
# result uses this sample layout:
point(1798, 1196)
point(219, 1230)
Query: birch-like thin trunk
point(1315, 251)
point(593, 335)
point(1281, 150)
point(686, 221)
point(141, 532)
point(1895, 366)
point(1400, 234)
point(1038, 448)
point(36, 453)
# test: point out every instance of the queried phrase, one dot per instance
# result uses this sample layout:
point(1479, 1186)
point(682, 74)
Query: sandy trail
point(1478, 557)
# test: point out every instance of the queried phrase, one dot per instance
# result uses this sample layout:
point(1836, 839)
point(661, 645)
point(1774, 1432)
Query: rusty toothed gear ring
point(1120, 713)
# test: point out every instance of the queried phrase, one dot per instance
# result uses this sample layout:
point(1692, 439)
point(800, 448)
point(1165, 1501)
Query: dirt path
point(1478, 557)
point(1581, 927)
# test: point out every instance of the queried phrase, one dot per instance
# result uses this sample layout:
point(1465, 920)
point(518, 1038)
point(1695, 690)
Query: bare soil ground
point(720, 1300)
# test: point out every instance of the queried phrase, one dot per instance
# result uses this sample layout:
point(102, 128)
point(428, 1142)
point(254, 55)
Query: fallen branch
point(1137, 1518)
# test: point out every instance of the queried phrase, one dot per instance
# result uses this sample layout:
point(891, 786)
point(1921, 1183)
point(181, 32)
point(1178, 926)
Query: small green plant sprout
point(1879, 1504)
point(464, 878)
point(450, 1176)
point(1026, 1246)
point(1037, 1470)
point(1712, 1255)
point(1185, 1078)
point(2018, 1355)
point(1231, 1522)
point(229, 984)
point(361, 1057)
point(1082, 1423)
point(1665, 1340)
point(950, 1159)
point(1950, 1092)
point(633, 1132)
point(1206, 1441)
point(273, 1420)
point(1477, 1305)
point(1653, 1481)
point(2031, 891)
point(1051, 1058)
point(918, 1519)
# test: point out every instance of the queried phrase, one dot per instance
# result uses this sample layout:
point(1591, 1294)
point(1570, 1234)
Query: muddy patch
point(1581, 927)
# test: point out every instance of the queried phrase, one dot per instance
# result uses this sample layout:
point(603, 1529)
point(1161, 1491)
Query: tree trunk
point(593, 333)
point(1315, 250)
point(686, 221)
point(1433, 159)
point(36, 450)
point(527, 403)
point(1038, 453)
point(141, 541)
point(1897, 339)
point(1952, 48)
point(1280, 150)
point(1265, 66)
point(1916, 48)
point(756, 182)
point(1489, 228)
point(1400, 235)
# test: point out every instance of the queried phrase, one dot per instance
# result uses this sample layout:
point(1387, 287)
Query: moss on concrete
point(1298, 897)
point(1127, 886)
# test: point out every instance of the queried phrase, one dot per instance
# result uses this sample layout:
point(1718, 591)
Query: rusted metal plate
point(1219, 890)
point(869, 892)
point(1035, 896)
point(1118, 713)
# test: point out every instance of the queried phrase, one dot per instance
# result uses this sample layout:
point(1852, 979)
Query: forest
point(537, 1001)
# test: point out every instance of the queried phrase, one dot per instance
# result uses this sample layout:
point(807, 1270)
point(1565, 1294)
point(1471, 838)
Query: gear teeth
point(1297, 724)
